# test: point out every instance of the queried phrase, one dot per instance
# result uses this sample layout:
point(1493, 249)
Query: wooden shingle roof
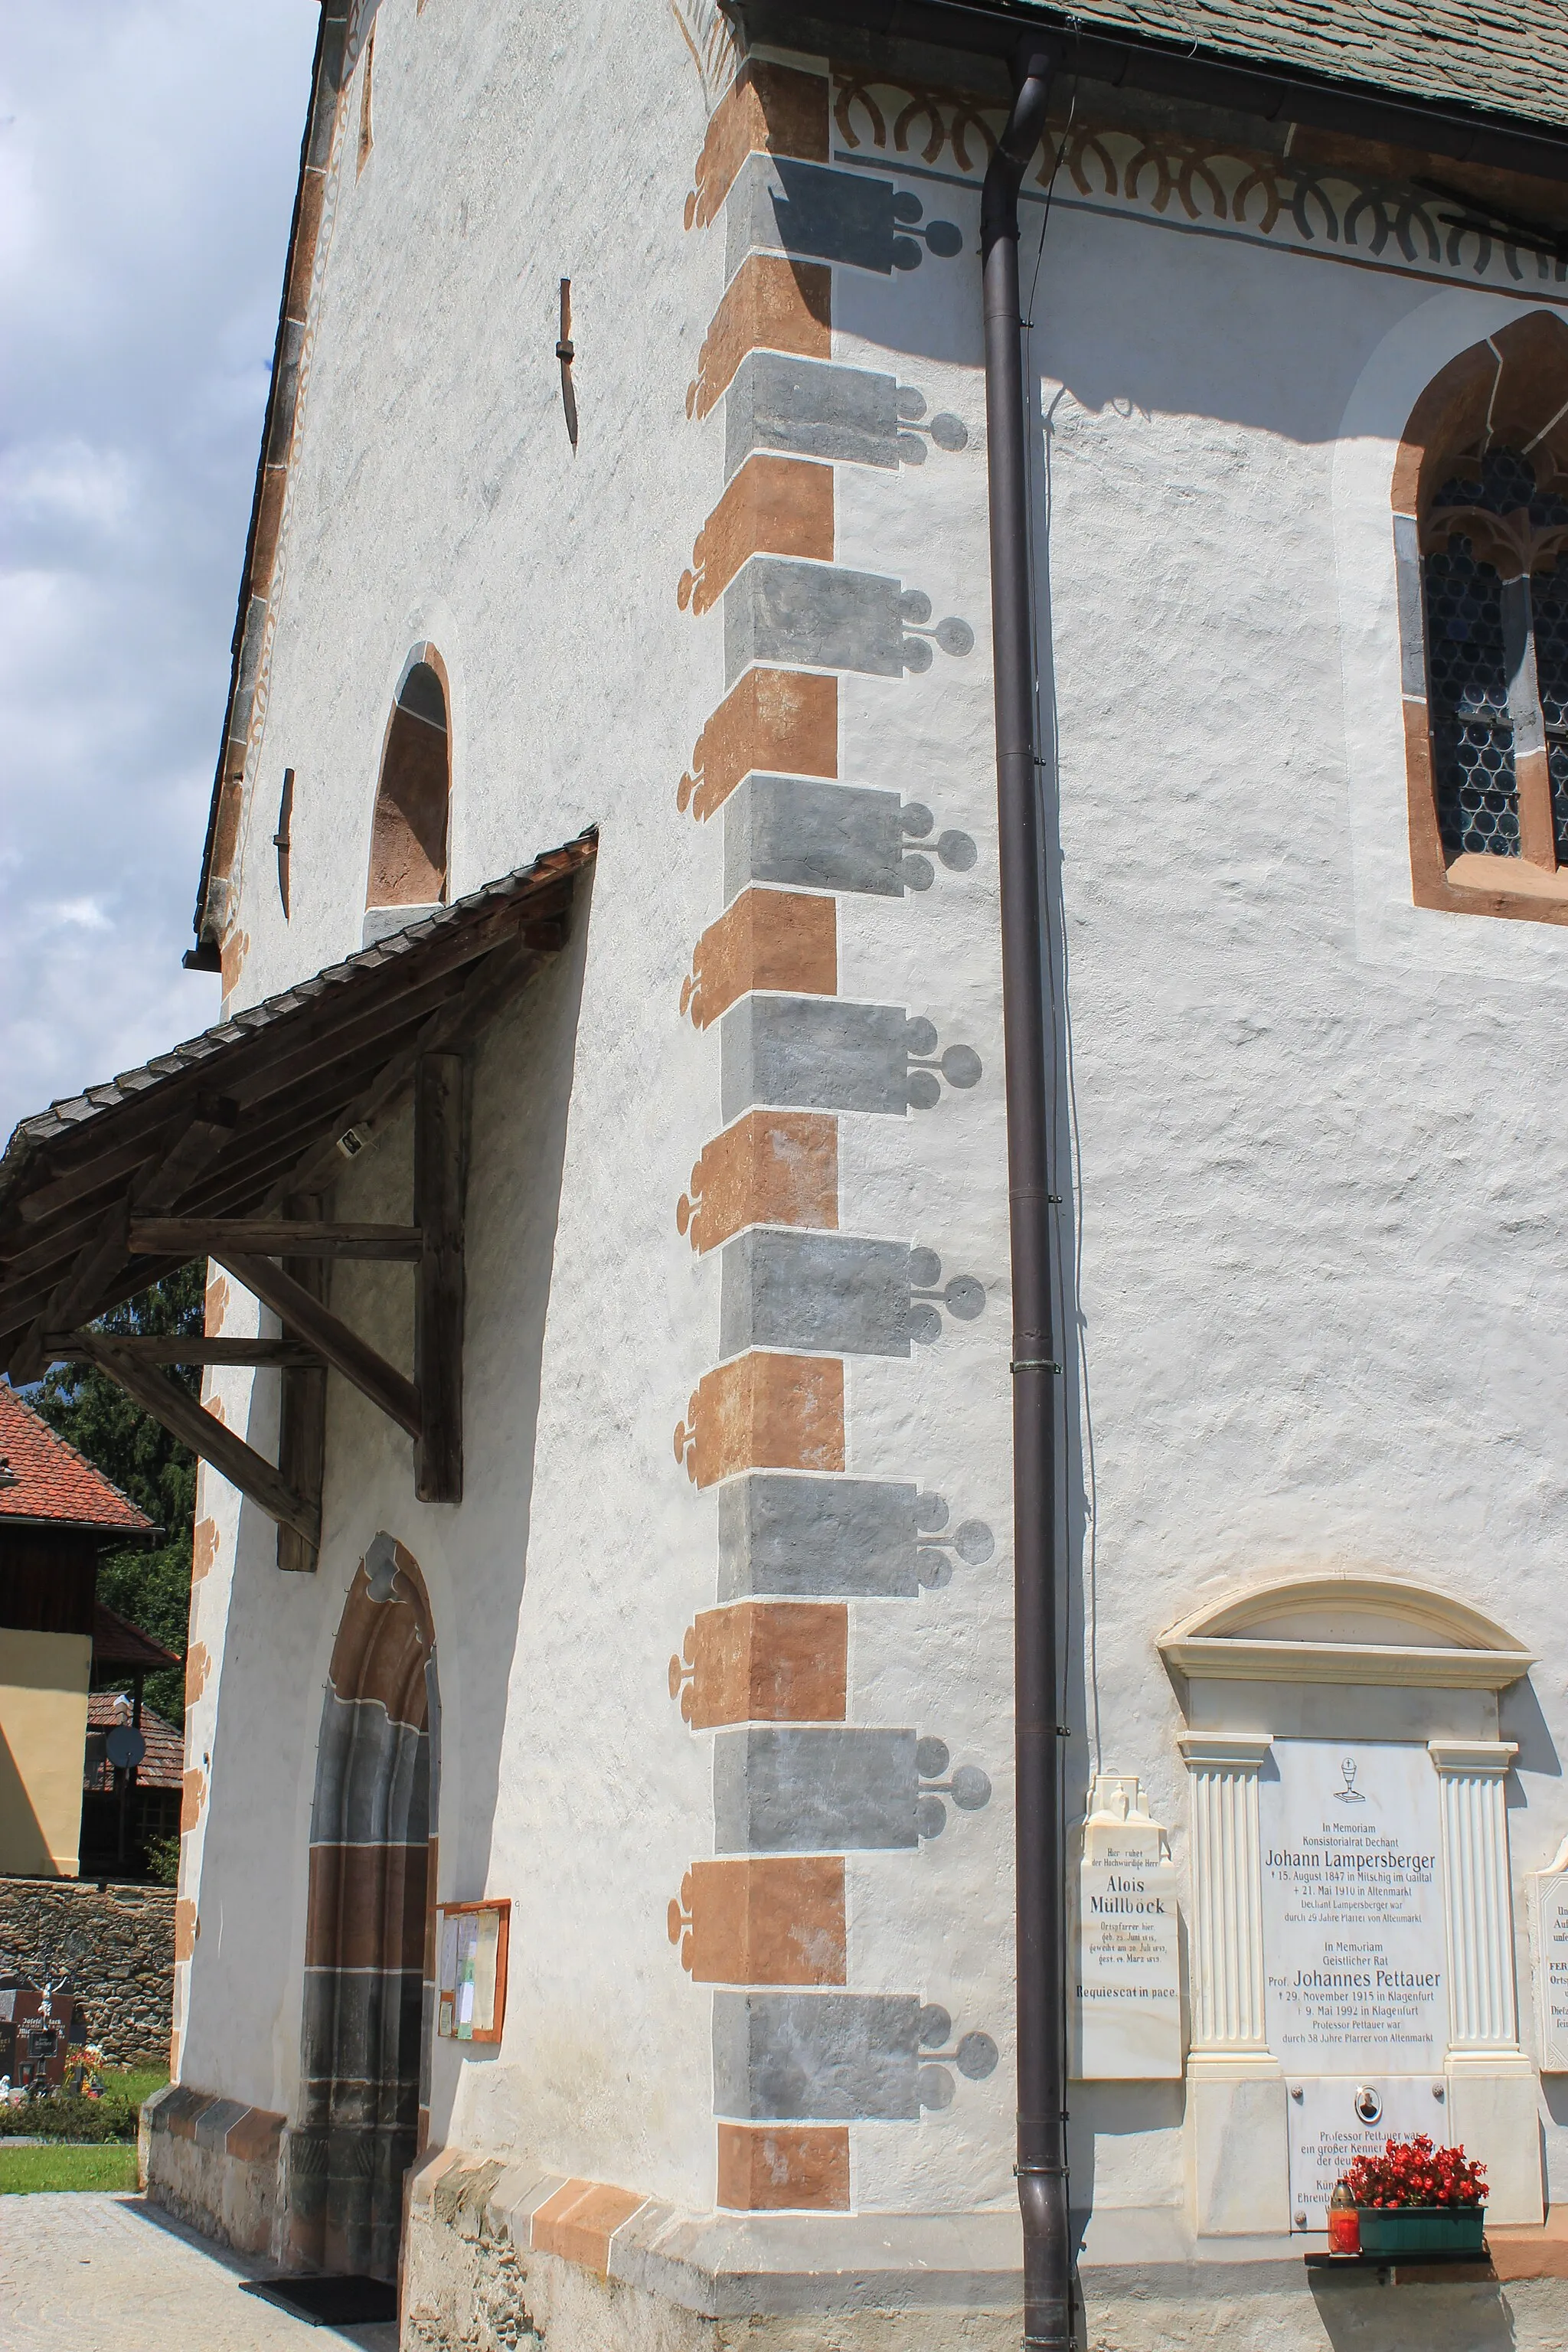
point(1497, 58)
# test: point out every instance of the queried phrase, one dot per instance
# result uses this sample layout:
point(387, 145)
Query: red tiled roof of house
point(163, 1765)
point(53, 1482)
point(119, 1647)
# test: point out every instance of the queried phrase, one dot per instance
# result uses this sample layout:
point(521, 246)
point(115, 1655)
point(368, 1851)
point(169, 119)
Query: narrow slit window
point(408, 832)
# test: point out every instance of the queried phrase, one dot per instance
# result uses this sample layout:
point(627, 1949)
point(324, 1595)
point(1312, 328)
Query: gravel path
point(95, 2273)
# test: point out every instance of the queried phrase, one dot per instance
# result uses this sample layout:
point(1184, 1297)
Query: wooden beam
point(439, 1170)
point(173, 1172)
point(344, 1350)
point(95, 1268)
point(183, 1417)
point(68, 1347)
point(272, 1237)
point(502, 973)
point(99, 1262)
point(302, 1409)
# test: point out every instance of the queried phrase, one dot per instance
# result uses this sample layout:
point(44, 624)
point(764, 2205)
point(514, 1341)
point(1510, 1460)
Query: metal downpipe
point(1042, 2072)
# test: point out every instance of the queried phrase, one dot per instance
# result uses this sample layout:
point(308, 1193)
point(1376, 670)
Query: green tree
point(151, 1588)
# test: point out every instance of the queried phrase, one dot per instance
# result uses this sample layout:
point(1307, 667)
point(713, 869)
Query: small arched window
point(409, 834)
point(1481, 530)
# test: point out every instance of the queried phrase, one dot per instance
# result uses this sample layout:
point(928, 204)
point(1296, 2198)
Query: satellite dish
point(125, 1746)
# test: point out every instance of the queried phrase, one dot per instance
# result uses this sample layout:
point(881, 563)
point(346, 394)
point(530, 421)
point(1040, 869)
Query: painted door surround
point(365, 2037)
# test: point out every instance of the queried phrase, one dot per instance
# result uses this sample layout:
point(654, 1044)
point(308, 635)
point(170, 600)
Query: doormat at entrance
point(328, 2301)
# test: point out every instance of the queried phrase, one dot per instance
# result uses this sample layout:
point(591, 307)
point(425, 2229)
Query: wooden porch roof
point(258, 1111)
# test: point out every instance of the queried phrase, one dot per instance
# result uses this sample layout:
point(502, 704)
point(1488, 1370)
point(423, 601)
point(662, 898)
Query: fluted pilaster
point(1228, 1972)
point(1482, 2008)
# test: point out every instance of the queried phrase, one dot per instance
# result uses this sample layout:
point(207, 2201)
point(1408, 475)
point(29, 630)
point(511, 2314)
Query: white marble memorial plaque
point(1549, 1935)
point(1334, 2118)
point(1352, 1908)
point(1127, 2006)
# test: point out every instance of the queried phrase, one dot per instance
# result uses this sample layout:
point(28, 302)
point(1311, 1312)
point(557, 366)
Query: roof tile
point(1503, 60)
point(53, 1482)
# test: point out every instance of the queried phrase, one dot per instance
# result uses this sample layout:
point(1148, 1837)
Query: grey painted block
point(372, 1776)
point(1412, 616)
point(814, 1053)
point(778, 609)
point(826, 1292)
point(780, 204)
point(814, 836)
point(832, 2057)
point(811, 409)
point(837, 1536)
point(780, 1788)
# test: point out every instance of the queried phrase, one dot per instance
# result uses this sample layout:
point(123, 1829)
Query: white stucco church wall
point(1310, 1150)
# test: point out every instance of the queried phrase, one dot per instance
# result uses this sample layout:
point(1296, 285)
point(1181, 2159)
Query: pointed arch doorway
point(364, 2039)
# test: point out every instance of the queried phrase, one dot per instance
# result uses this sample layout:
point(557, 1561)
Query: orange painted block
point(767, 1662)
point(769, 109)
point(769, 939)
point(255, 2138)
point(185, 1929)
point(777, 1920)
point(771, 1168)
point(769, 2169)
point(781, 721)
point(770, 304)
point(774, 506)
point(204, 1548)
point(579, 2220)
point(232, 953)
point(193, 1796)
point(763, 1412)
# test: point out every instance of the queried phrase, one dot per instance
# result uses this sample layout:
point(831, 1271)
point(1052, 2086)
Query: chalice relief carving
point(1350, 1794)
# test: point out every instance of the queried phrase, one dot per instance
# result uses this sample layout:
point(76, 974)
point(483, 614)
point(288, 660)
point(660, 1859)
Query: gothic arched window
point(1495, 644)
point(408, 832)
point(1481, 531)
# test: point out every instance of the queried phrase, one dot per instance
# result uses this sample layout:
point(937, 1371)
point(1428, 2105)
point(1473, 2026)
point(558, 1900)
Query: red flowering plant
point(1414, 2172)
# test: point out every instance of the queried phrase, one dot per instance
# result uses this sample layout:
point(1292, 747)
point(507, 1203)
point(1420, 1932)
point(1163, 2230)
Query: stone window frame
point(1508, 391)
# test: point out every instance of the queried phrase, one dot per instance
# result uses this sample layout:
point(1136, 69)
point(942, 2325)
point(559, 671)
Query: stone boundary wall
point(117, 1947)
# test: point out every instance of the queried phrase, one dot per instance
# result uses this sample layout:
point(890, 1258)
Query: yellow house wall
point(43, 1736)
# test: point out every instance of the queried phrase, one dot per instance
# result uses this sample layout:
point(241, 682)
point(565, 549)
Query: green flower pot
point(1422, 2229)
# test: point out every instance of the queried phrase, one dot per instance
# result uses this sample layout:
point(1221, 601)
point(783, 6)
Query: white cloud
point(148, 153)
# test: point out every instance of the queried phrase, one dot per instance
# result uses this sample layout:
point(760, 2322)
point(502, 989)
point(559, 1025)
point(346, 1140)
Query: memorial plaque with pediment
point(1354, 1940)
point(1126, 2016)
point(1549, 1938)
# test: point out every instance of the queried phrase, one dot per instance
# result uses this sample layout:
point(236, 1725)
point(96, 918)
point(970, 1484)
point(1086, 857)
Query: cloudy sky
point(148, 155)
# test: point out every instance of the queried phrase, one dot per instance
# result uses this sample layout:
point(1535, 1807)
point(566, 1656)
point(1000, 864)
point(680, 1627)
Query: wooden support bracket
point(272, 1237)
point(302, 1408)
point(183, 1417)
point(344, 1350)
point(440, 1164)
point(278, 1355)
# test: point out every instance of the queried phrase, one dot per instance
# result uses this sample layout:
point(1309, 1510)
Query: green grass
point(26, 2171)
point(135, 2085)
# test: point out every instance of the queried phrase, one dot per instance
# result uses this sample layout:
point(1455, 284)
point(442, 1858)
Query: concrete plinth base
point(1240, 2154)
point(482, 2270)
point(214, 2163)
point(1493, 2101)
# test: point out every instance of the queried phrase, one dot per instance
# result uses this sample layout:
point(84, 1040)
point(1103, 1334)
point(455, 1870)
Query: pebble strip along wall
point(799, 2055)
point(116, 1945)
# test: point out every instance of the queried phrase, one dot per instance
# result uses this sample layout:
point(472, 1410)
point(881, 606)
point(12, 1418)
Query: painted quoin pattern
point(800, 2055)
